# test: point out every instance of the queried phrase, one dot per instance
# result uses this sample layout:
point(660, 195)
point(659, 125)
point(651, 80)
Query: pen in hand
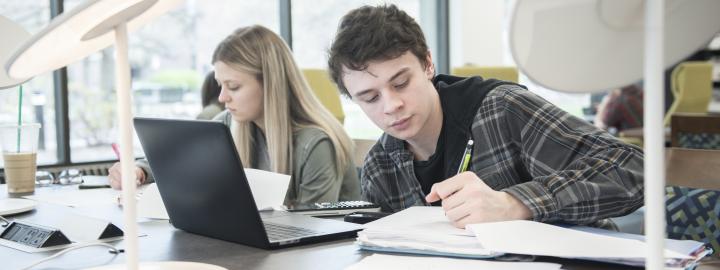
point(116, 149)
point(434, 196)
point(465, 160)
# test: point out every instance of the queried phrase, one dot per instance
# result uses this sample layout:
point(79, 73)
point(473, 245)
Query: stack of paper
point(380, 262)
point(581, 242)
point(426, 230)
point(421, 230)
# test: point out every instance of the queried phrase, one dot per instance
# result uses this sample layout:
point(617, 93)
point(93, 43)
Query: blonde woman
point(276, 121)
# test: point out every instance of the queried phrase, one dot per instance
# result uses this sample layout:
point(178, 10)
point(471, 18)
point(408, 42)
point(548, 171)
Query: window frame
point(61, 89)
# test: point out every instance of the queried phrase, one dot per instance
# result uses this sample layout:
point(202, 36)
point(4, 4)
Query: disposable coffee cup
point(19, 153)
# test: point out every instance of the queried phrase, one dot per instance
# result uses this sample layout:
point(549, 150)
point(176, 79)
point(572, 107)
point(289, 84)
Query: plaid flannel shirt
point(561, 167)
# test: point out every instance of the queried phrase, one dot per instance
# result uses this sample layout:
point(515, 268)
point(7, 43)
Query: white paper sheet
point(150, 204)
point(96, 180)
point(393, 262)
point(268, 189)
point(78, 198)
point(680, 246)
point(421, 230)
point(535, 238)
point(422, 218)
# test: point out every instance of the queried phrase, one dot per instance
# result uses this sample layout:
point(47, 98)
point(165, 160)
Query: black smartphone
point(364, 217)
point(333, 208)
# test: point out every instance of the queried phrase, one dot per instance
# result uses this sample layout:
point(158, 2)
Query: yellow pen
point(465, 161)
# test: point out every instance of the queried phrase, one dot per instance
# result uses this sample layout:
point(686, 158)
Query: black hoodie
point(460, 99)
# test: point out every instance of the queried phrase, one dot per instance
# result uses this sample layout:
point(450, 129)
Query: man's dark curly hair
point(374, 33)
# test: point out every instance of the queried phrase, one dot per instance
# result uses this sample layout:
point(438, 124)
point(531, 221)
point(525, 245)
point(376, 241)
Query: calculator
point(333, 208)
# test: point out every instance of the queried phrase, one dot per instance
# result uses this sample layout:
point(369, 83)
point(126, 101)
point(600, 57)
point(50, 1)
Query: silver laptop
point(204, 188)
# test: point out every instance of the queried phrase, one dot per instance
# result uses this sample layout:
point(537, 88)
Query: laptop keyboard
point(277, 232)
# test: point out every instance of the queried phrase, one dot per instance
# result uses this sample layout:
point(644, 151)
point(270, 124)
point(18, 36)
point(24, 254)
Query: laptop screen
point(201, 179)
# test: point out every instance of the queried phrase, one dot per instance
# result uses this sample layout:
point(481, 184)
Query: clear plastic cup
point(19, 152)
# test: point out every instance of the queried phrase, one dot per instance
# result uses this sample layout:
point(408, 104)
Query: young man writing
point(529, 159)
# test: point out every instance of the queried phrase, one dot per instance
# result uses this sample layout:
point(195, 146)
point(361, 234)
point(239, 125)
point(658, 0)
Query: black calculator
point(333, 208)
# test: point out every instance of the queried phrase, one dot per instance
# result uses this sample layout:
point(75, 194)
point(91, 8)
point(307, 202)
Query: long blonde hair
point(289, 103)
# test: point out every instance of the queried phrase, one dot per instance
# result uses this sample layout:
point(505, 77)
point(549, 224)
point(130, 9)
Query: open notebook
point(421, 230)
point(426, 230)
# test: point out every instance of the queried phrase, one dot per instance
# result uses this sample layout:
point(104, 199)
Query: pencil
point(465, 160)
point(116, 150)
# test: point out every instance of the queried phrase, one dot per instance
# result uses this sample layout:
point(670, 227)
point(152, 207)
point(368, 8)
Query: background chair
point(325, 91)
point(509, 74)
point(695, 130)
point(691, 84)
point(362, 147)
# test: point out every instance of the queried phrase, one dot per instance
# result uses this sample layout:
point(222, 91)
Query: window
point(169, 58)
point(314, 24)
point(38, 94)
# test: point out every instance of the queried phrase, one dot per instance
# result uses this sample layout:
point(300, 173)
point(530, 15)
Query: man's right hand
point(466, 199)
point(115, 176)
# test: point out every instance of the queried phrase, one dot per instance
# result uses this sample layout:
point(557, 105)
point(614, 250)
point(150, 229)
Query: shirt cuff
point(145, 166)
point(537, 198)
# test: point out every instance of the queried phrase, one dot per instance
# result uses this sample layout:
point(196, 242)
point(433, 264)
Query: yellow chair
point(509, 74)
point(325, 91)
point(691, 84)
point(362, 147)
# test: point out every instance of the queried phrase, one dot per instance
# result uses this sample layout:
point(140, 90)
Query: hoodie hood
point(460, 99)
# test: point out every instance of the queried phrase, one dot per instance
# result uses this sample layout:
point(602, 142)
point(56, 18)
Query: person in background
point(209, 93)
point(621, 109)
point(276, 121)
point(528, 158)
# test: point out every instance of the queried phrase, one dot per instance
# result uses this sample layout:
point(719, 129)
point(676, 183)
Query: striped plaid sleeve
point(371, 179)
point(579, 174)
